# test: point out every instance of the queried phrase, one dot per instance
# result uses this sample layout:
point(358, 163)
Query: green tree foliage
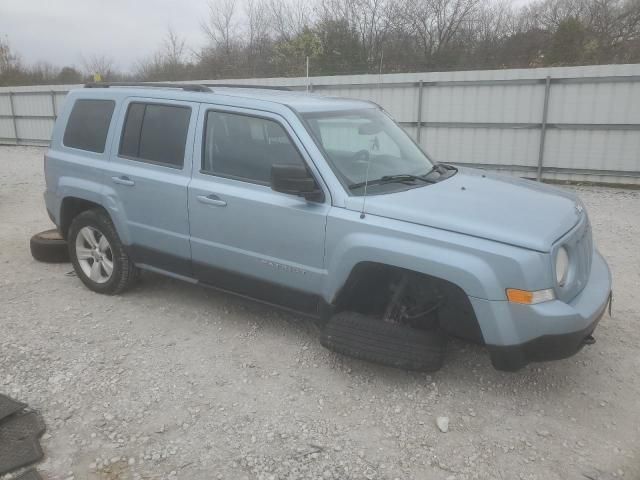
point(338, 47)
point(289, 56)
point(567, 46)
point(69, 75)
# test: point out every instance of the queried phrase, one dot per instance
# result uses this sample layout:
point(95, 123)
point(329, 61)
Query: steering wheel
point(361, 155)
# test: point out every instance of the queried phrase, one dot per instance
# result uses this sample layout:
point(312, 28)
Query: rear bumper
point(52, 203)
point(519, 334)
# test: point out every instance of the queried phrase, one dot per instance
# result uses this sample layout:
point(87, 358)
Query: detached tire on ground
point(374, 340)
point(49, 247)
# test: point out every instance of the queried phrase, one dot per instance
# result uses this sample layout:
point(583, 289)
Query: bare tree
point(614, 21)
point(493, 21)
point(482, 35)
point(174, 47)
point(258, 24)
point(102, 65)
point(371, 20)
point(168, 63)
point(8, 59)
point(549, 14)
point(274, 37)
point(288, 17)
point(221, 26)
point(435, 23)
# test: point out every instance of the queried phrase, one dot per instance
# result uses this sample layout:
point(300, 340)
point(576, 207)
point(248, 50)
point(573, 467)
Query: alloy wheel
point(94, 254)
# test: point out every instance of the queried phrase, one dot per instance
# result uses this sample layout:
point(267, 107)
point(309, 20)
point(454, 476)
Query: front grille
point(579, 244)
point(584, 248)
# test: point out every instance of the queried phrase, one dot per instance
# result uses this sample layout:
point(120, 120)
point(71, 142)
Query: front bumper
point(519, 334)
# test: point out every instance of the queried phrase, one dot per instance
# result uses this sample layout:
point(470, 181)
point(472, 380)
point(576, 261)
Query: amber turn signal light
point(529, 298)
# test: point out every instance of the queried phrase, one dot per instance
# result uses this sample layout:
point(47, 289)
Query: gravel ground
point(177, 381)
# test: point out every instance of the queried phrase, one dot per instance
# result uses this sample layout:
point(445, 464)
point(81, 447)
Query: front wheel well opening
point(400, 295)
point(72, 207)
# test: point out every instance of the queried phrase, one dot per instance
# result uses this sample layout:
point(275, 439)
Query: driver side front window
point(245, 147)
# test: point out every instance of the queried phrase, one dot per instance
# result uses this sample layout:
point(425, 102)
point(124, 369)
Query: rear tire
point(97, 254)
point(374, 340)
point(49, 247)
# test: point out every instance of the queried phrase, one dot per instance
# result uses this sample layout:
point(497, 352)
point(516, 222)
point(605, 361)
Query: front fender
point(481, 268)
point(469, 272)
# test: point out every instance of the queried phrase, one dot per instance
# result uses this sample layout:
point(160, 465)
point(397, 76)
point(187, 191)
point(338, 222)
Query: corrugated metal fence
point(573, 123)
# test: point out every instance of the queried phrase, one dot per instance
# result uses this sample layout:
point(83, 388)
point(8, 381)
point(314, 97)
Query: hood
point(472, 202)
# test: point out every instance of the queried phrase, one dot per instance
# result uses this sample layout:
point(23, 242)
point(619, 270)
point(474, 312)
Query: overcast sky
point(61, 32)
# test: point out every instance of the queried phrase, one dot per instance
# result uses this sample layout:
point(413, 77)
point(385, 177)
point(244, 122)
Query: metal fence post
point(419, 122)
point(13, 116)
point(543, 127)
point(53, 106)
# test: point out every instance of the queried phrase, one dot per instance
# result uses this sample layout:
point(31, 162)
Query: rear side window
point(155, 133)
point(245, 147)
point(88, 125)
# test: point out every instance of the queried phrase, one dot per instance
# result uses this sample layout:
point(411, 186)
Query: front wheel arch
point(367, 291)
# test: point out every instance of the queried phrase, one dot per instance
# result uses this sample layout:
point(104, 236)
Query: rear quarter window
point(155, 133)
point(88, 125)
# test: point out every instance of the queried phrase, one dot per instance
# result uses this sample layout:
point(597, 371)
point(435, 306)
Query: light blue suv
point(324, 206)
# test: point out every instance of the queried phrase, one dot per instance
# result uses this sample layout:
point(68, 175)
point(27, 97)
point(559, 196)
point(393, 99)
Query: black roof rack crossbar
point(183, 86)
point(244, 85)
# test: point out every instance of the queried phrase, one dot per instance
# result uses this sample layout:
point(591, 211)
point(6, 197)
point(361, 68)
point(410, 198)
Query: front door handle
point(212, 199)
point(123, 180)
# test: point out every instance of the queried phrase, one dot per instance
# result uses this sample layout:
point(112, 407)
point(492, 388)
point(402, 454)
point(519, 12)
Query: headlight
point(562, 265)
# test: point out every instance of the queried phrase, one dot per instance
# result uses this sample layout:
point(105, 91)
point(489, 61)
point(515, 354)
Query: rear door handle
point(212, 199)
point(123, 180)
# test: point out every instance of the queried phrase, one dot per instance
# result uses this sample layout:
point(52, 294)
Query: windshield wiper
point(442, 168)
point(403, 177)
point(437, 167)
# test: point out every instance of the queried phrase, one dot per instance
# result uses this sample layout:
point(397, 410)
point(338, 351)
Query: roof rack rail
point(188, 87)
point(244, 85)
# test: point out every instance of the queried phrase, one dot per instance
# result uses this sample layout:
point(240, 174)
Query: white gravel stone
point(443, 424)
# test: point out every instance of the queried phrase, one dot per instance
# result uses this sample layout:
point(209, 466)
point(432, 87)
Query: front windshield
point(357, 140)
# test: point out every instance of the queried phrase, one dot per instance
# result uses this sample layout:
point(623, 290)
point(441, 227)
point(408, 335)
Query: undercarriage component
point(413, 302)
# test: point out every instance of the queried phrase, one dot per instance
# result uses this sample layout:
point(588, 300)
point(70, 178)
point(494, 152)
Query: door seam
point(193, 152)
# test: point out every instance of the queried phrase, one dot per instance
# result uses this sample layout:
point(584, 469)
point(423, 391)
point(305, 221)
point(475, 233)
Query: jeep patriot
point(326, 207)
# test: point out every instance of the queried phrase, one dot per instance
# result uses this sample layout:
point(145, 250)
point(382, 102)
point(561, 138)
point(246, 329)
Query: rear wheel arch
point(367, 290)
point(71, 207)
